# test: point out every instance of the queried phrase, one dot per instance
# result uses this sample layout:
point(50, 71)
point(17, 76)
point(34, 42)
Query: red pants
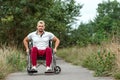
point(47, 53)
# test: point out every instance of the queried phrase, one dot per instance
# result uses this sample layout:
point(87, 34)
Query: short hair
point(41, 22)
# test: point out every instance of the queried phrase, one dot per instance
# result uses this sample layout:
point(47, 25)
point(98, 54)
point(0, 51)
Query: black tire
point(57, 69)
point(29, 71)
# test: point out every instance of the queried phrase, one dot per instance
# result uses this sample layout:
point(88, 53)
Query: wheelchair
point(41, 61)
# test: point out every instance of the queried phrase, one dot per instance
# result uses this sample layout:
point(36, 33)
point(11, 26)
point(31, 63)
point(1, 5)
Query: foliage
point(117, 75)
point(15, 61)
point(105, 26)
point(102, 63)
point(11, 60)
point(19, 17)
point(71, 55)
point(107, 19)
point(83, 35)
point(101, 59)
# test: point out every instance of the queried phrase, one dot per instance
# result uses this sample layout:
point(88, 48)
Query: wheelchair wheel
point(29, 71)
point(57, 69)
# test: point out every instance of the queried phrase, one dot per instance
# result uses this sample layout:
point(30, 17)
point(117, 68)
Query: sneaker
point(48, 69)
point(34, 69)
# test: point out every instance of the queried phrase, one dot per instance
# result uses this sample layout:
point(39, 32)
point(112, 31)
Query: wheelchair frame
point(41, 60)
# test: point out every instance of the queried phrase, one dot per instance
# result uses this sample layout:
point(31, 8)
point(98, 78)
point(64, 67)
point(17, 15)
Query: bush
point(16, 61)
point(117, 75)
point(102, 63)
point(11, 60)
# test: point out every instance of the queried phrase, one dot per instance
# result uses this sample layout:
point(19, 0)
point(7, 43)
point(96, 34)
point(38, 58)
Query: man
point(40, 39)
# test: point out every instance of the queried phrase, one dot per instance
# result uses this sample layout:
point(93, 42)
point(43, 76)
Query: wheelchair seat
point(41, 58)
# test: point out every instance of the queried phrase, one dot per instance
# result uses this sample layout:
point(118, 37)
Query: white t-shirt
point(40, 41)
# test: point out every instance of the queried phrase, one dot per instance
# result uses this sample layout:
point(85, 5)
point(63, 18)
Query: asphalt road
point(68, 72)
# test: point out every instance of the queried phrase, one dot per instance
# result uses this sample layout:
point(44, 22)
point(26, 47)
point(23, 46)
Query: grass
point(102, 63)
point(11, 60)
point(76, 55)
point(104, 59)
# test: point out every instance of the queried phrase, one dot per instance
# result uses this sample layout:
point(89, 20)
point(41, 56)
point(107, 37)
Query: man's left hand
point(55, 50)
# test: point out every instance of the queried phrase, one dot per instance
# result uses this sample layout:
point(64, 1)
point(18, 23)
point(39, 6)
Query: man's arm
point(57, 42)
point(25, 42)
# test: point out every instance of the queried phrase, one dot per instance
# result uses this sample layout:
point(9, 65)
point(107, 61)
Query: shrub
point(11, 60)
point(102, 63)
point(16, 61)
point(117, 76)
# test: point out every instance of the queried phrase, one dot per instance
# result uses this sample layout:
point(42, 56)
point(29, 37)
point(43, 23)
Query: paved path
point(69, 72)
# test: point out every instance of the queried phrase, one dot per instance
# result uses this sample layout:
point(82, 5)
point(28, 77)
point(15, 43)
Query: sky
point(88, 10)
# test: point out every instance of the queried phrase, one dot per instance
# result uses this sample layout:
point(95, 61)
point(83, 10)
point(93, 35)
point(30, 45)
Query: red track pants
point(35, 53)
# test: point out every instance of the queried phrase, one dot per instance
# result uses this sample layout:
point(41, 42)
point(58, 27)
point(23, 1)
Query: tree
point(108, 19)
point(82, 35)
point(19, 17)
point(105, 26)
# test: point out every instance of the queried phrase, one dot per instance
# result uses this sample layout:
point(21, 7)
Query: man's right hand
point(27, 51)
point(25, 42)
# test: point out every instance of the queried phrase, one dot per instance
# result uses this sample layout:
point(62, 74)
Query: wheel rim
point(57, 70)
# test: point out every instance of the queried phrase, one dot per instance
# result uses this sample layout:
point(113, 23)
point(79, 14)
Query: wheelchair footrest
point(32, 71)
point(49, 72)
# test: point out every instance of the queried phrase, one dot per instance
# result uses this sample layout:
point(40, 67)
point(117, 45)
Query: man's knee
point(48, 50)
point(34, 49)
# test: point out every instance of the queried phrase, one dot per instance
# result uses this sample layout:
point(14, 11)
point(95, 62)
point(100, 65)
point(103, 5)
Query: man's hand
point(25, 42)
point(57, 41)
point(27, 51)
point(55, 50)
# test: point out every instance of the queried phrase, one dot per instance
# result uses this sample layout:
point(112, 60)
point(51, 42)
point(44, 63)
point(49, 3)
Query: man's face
point(40, 27)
